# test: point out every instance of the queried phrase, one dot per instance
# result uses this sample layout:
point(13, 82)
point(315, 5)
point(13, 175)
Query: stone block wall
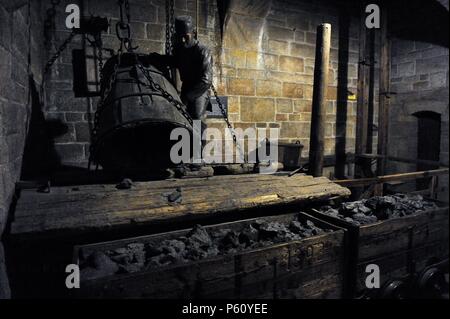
point(20, 37)
point(420, 77)
point(264, 64)
point(267, 70)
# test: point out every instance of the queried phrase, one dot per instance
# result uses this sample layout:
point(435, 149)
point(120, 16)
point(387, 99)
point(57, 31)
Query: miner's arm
point(205, 81)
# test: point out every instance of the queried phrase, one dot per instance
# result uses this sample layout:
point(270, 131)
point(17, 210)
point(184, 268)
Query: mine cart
point(310, 267)
point(402, 247)
point(101, 217)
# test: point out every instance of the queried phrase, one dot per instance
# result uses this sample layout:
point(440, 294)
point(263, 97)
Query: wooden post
point(316, 146)
point(433, 187)
point(383, 114)
point(362, 114)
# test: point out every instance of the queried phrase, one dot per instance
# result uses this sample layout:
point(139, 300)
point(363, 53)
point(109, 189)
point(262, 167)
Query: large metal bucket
point(134, 127)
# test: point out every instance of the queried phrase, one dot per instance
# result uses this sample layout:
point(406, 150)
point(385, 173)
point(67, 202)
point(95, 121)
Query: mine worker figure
point(194, 62)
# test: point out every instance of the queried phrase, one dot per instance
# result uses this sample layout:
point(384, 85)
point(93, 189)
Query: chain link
point(122, 25)
point(227, 121)
point(125, 42)
point(100, 60)
point(170, 25)
point(57, 54)
point(169, 97)
point(105, 92)
point(49, 22)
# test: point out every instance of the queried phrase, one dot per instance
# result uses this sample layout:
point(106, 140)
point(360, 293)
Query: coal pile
point(379, 208)
point(197, 244)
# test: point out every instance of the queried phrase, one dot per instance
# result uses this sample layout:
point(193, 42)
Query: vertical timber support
point(319, 99)
point(362, 110)
point(383, 114)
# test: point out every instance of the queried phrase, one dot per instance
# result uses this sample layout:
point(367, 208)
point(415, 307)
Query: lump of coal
point(268, 231)
point(230, 240)
point(351, 208)
point(173, 246)
point(198, 237)
point(137, 251)
point(151, 250)
point(331, 211)
point(296, 227)
point(381, 207)
point(249, 236)
point(98, 265)
point(126, 183)
point(364, 219)
point(311, 229)
point(175, 196)
point(171, 251)
point(99, 260)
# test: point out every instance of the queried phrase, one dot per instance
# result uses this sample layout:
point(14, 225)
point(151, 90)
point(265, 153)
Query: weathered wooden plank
point(93, 199)
point(147, 203)
point(167, 183)
point(157, 200)
point(139, 216)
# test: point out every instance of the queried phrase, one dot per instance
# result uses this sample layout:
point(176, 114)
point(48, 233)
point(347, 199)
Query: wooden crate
point(309, 268)
point(399, 246)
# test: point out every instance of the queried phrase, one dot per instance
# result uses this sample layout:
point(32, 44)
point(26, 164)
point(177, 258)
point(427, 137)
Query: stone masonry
point(16, 42)
point(420, 77)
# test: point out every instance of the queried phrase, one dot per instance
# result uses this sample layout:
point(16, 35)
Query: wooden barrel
point(135, 122)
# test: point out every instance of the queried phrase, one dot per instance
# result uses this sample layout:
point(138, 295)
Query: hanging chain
point(170, 25)
point(49, 23)
point(57, 54)
point(169, 97)
point(227, 121)
point(123, 29)
point(125, 42)
point(100, 59)
point(101, 105)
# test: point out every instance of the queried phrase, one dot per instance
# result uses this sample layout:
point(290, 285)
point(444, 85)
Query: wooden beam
point(383, 114)
point(91, 209)
point(362, 91)
point(403, 159)
point(390, 178)
point(318, 115)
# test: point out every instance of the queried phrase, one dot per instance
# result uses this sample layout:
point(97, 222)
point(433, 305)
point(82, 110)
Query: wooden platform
point(93, 208)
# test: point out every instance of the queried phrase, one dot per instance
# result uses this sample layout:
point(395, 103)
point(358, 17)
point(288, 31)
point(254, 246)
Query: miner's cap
point(184, 24)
